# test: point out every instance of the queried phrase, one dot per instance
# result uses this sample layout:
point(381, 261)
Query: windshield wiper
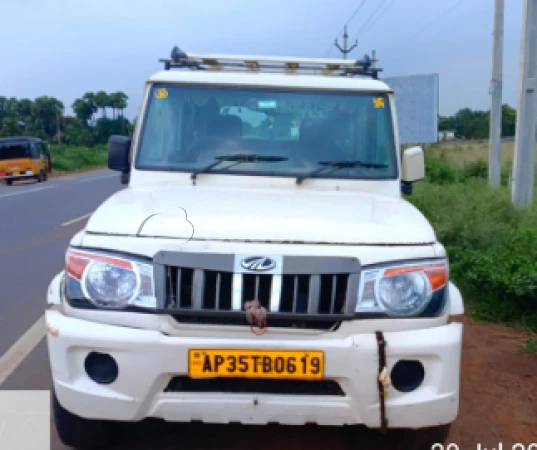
point(337, 165)
point(238, 158)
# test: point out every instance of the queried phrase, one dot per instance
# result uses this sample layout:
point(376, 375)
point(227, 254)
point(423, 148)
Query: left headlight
point(402, 290)
point(109, 281)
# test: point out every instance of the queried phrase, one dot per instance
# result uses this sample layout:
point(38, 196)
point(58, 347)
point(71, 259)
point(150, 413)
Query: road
point(499, 387)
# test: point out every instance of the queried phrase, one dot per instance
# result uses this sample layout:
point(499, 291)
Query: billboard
point(416, 98)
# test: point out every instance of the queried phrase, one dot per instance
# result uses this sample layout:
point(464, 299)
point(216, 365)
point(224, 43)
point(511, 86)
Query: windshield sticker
point(378, 102)
point(161, 93)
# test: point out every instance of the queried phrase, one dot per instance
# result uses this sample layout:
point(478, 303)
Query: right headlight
point(402, 290)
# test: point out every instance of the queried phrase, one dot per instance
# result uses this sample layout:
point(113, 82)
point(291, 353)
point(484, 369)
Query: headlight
point(402, 289)
point(109, 281)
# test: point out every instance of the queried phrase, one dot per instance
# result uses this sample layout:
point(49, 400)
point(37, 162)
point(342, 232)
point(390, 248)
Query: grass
point(531, 346)
point(459, 154)
point(492, 245)
point(73, 158)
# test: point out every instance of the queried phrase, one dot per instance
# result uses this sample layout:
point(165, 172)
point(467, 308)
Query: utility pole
point(345, 50)
point(524, 159)
point(495, 133)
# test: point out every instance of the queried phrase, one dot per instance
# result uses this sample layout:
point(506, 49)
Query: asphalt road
point(37, 222)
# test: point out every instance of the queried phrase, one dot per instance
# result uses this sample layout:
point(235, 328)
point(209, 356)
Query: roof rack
point(340, 67)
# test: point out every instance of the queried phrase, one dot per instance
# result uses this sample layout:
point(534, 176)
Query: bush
point(492, 246)
point(70, 158)
point(475, 169)
point(439, 171)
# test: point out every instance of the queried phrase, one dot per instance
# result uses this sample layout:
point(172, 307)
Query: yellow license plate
point(15, 173)
point(275, 364)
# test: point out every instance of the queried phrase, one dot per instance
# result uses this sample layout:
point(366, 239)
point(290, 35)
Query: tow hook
point(383, 380)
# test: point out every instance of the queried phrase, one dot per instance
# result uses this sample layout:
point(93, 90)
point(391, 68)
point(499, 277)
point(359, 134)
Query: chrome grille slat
point(295, 292)
point(275, 293)
point(256, 287)
point(178, 287)
point(334, 292)
point(197, 289)
point(237, 292)
point(217, 295)
point(314, 293)
point(171, 294)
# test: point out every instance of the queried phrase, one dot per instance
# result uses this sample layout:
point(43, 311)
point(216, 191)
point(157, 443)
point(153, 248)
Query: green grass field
point(461, 153)
point(72, 158)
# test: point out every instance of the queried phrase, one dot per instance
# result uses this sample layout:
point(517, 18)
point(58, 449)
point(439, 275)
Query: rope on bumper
point(381, 343)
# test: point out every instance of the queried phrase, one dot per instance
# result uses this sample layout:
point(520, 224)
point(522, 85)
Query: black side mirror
point(119, 148)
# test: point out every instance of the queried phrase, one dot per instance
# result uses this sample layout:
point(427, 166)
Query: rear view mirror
point(413, 168)
point(119, 148)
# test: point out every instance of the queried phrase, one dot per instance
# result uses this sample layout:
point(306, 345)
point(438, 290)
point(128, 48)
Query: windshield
point(186, 128)
point(13, 150)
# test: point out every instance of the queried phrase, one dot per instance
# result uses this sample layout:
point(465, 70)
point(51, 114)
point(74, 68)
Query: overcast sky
point(65, 48)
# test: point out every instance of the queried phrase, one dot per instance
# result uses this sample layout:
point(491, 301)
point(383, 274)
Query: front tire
point(9, 181)
point(41, 177)
point(77, 432)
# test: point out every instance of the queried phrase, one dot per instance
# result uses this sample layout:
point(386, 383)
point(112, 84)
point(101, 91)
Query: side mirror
point(119, 148)
point(413, 168)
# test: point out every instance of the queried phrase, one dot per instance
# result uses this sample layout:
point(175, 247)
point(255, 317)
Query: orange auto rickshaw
point(23, 158)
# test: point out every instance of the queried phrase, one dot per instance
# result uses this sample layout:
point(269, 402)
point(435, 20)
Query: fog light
point(101, 368)
point(407, 376)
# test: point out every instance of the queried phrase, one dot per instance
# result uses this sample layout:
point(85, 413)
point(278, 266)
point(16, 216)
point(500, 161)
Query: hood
point(206, 213)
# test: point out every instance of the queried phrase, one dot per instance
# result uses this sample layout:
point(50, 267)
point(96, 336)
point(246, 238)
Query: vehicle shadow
point(159, 435)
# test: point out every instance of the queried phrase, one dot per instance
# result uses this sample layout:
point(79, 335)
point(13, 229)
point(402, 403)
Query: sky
point(66, 48)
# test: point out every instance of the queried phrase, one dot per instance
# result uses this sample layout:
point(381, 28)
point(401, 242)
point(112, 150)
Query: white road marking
point(76, 219)
point(26, 192)
point(22, 348)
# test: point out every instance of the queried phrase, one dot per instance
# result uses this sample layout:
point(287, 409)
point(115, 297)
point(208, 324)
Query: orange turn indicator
point(436, 273)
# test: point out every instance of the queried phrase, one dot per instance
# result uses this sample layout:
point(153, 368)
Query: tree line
point(472, 124)
point(44, 117)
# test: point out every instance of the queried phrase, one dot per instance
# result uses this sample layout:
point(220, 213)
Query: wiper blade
point(238, 158)
point(337, 165)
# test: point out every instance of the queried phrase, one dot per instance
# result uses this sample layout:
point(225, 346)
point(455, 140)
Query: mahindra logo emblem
point(259, 263)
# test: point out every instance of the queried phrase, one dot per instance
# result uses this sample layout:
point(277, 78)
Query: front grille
point(302, 292)
point(253, 386)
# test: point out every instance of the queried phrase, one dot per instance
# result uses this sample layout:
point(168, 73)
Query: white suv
point(261, 265)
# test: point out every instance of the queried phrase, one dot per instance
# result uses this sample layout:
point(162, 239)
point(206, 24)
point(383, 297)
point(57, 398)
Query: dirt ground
point(498, 409)
point(499, 389)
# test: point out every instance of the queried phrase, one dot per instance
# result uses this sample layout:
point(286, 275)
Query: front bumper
point(148, 359)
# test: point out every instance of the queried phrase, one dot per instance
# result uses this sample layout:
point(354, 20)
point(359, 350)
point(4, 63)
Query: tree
point(24, 108)
point(89, 98)
point(508, 120)
point(48, 110)
point(101, 101)
point(10, 127)
point(83, 110)
point(121, 101)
